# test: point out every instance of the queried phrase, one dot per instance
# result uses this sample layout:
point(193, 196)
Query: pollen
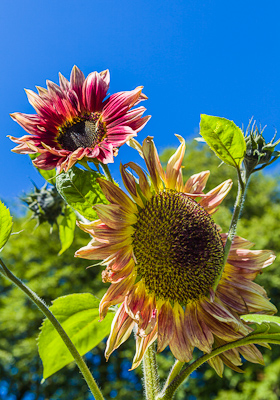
point(177, 246)
point(83, 132)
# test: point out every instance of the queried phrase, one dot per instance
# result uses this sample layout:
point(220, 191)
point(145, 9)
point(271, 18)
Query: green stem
point(242, 185)
point(45, 310)
point(85, 164)
point(170, 390)
point(177, 366)
point(151, 379)
point(107, 172)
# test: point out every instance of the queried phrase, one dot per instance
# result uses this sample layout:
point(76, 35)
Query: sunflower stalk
point(4, 270)
point(175, 370)
point(151, 378)
point(107, 172)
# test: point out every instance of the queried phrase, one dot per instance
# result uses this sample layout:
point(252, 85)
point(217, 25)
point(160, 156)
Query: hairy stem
point(151, 379)
point(175, 370)
point(45, 310)
point(242, 185)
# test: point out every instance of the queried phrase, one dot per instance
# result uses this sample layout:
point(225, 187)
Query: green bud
point(45, 204)
point(258, 152)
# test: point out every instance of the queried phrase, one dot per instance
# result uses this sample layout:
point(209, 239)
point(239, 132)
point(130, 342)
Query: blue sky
point(213, 57)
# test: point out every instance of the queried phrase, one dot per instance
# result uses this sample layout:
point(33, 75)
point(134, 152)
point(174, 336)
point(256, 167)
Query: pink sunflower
point(164, 256)
point(75, 121)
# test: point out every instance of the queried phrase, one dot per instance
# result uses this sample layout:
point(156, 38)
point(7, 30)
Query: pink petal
point(46, 161)
point(216, 196)
point(114, 216)
point(165, 326)
point(121, 329)
point(119, 103)
point(141, 346)
point(174, 164)
point(179, 343)
point(251, 259)
point(143, 182)
point(129, 118)
point(139, 124)
point(225, 331)
point(199, 334)
point(64, 83)
point(153, 163)
point(28, 122)
point(94, 91)
point(196, 183)
point(238, 242)
point(43, 108)
point(116, 196)
point(116, 294)
point(119, 135)
point(77, 80)
point(252, 354)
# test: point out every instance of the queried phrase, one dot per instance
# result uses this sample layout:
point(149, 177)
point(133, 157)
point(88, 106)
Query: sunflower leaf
point(66, 229)
point(80, 190)
point(266, 326)
point(224, 138)
point(5, 225)
point(79, 316)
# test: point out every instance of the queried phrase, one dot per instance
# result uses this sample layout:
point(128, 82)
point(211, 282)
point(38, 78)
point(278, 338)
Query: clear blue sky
point(215, 57)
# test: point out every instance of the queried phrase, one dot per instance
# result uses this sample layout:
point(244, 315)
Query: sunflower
point(75, 121)
point(164, 255)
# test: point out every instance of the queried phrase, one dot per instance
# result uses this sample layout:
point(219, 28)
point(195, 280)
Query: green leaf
point(67, 229)
point(265, 326)
point(224, 138)
point(48, 174)
point(79, 317)
point(81, 191)
point(5, 225)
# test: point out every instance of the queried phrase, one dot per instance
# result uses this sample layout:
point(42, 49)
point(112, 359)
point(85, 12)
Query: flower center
point(83, 132)
point(178, 249)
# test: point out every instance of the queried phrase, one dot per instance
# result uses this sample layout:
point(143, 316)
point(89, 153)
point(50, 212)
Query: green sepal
point(80, 190)
point(78, 314)
point(6, 223)
point(67, 228)
point(224, 138)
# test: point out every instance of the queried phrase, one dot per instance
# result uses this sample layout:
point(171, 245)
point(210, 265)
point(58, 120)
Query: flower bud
point(45, 204)
point(258, 152)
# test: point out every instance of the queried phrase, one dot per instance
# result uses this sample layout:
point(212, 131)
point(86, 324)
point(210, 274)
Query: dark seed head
point(82, 132)
point(178, 248)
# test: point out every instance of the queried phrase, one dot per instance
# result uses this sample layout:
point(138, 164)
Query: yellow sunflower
point(163, 255)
